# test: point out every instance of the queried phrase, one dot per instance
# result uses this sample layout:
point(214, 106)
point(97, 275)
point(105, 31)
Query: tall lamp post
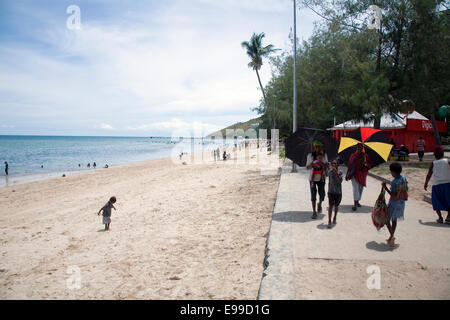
point(294, 106)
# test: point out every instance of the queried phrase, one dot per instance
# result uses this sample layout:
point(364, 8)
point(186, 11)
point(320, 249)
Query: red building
point(403, 128)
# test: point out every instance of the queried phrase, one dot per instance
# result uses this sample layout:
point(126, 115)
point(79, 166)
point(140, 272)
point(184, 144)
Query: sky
point(135, 68)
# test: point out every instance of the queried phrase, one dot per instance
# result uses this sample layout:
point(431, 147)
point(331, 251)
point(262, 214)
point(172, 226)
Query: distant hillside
point(240, 125)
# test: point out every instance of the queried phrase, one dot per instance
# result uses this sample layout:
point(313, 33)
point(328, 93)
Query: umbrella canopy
point(375, 142)
point(300, 144)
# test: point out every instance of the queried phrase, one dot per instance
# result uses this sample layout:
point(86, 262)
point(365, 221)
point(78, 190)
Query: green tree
point(362, 73)
point(427, 77)
point(256, 51)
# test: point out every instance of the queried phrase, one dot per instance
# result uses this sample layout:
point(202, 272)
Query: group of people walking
point(357, 170)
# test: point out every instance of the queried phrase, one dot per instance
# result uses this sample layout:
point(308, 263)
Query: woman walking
point(358, 168)
point(440, 192)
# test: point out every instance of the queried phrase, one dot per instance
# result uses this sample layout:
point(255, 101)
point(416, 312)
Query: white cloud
point(177, 127)
point(104, 126)
point(182, 60)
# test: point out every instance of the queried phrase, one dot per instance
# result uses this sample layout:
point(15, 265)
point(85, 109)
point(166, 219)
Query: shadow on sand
point(434, 224)
point(380, 246)
point(296, 216)
point(348, 209)
point(324, 226)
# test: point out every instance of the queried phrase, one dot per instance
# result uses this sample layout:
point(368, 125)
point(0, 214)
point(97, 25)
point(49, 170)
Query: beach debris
point(175, 278)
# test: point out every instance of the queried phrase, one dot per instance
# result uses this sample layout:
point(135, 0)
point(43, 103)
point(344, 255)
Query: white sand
point(179, 232)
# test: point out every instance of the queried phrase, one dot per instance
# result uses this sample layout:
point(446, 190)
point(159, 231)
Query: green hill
point(240, 125)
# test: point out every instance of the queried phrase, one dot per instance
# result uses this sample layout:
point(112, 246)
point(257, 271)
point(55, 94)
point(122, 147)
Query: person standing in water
point(6, 167)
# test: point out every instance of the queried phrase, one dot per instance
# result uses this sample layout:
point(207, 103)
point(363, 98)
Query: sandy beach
point(179, 232)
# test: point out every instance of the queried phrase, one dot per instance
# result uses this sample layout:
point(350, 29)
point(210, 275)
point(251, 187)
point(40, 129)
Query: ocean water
point(58, 155)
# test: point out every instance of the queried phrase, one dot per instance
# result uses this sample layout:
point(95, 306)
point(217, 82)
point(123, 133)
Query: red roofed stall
point(403, 128)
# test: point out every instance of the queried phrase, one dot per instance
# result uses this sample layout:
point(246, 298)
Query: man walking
point(420, 148)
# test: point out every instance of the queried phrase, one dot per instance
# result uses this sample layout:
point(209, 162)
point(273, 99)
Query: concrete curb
point(277, 282)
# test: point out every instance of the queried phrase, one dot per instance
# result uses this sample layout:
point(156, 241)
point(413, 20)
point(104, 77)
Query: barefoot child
point(396, 205)
point(107, 212)
point(440, 192)
point(334, 191)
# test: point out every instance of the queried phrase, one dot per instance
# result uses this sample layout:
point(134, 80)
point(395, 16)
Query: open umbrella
point(375, 142)
point(300, 144)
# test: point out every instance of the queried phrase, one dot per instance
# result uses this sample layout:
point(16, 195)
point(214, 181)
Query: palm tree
point(256, 52)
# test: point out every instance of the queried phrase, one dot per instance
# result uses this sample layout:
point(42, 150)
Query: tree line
point(347, 70)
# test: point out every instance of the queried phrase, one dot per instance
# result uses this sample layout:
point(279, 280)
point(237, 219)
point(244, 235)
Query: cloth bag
point(380, 212)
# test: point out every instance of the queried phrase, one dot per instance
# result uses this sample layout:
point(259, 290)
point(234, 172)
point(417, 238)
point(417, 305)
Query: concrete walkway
point(300, 250)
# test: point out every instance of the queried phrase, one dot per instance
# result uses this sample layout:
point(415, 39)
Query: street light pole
point(294, 106)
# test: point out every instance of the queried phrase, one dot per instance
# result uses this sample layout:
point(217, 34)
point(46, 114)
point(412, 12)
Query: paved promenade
point(306, 260)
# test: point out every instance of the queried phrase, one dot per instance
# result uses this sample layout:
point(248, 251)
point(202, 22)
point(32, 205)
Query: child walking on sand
point(440, 193)
point(396, 205)
point(107, 212)
point(334, 191)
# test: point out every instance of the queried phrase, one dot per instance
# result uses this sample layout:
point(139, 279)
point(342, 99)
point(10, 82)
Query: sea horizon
point(93, 136)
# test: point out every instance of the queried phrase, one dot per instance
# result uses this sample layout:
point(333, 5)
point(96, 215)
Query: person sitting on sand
point(106, 166)
point(440, 192)
point(107, 212)
point(396, 205)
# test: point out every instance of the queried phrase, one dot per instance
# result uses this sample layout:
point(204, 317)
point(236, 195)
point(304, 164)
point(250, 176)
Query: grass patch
point(411, 167)
point(421, 165)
